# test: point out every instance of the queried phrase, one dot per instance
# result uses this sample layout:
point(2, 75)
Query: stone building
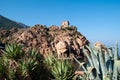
point(65, 24)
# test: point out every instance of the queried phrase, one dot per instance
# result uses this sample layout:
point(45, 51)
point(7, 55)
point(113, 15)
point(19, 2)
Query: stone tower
point(65, 24)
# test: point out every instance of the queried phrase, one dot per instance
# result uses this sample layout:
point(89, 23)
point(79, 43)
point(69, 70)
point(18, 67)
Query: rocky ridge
point(62, 41)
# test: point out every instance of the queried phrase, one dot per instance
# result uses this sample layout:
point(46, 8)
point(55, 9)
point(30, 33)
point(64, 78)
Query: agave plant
point(17, 65)
point(9, 60)
point(28, 64)
point(26, 67)
point(60, 69)
point(8, 69)
point(32, 68)
point(13, 51)
point(2, 69)
point(106, 64)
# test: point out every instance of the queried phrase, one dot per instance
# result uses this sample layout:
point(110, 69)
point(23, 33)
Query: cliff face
point(62, 41)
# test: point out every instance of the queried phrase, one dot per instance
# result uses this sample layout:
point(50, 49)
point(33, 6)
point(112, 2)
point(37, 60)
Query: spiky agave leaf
point(115, 62)
point(27, 67)
point(94, 57)
point(49, 60)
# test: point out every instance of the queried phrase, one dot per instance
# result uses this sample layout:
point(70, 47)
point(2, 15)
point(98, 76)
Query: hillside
point(6, 23)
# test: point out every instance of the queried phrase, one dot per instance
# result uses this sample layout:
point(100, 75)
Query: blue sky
point(98, 20)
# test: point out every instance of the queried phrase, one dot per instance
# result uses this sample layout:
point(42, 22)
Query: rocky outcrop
point(98, 45)
point(61, 48)
point(60, 41)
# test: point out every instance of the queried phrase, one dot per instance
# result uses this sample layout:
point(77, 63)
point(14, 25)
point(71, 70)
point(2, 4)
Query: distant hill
point(6, 23)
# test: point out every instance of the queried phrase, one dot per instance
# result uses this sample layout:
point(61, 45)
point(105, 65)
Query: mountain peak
point(6, 23)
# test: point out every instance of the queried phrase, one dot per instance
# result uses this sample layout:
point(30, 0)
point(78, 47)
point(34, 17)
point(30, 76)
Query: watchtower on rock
point(65, 24)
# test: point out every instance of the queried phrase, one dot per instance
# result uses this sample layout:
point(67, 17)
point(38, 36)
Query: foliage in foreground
point(17, 65)
point(60, 69)
point(102, 64)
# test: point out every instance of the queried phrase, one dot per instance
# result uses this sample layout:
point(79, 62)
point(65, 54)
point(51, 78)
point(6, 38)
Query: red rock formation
point(60, 41)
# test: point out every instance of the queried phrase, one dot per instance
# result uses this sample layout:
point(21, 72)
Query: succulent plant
point(60, 69)
point(105, 64)
point(13, 51)
point(17, 65)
